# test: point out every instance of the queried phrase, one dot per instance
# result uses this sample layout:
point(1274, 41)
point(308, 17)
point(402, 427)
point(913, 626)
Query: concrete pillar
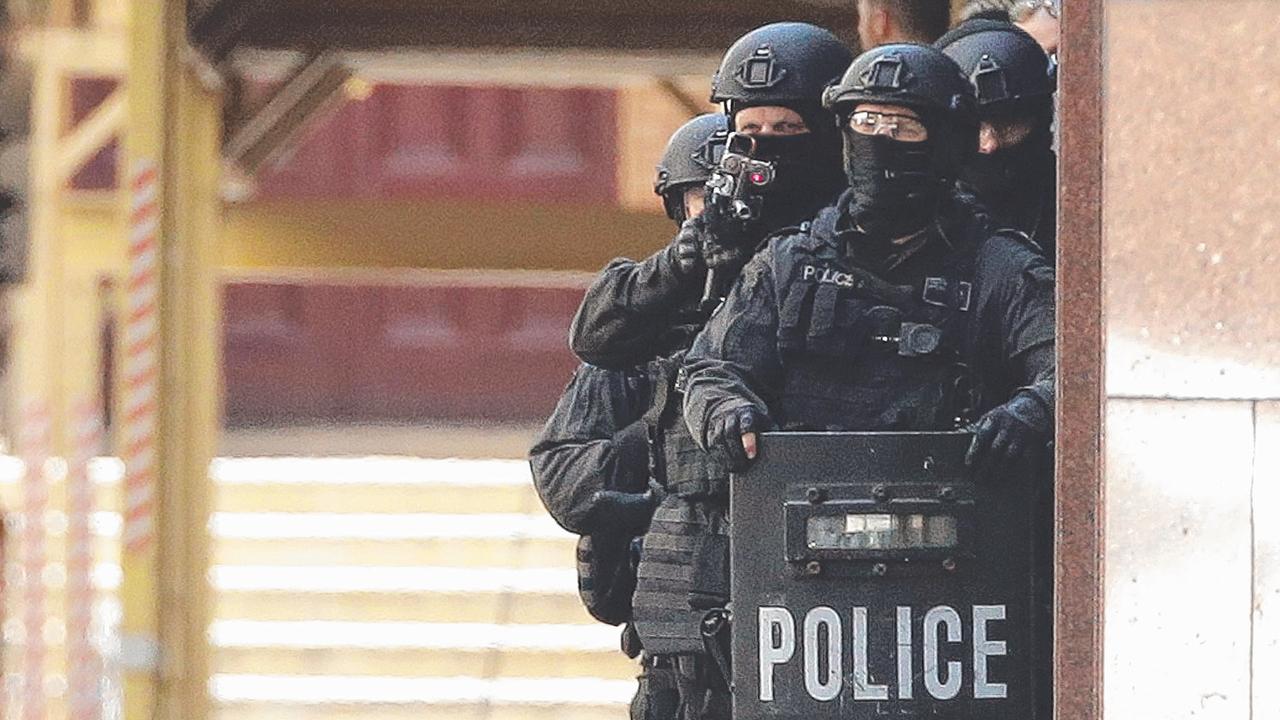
point(1192, 250)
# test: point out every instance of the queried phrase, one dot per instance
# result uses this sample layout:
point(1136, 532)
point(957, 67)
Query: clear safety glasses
point(902, 128)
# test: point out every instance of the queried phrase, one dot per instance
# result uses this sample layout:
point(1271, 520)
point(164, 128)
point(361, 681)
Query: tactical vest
point(673, 565)
point(861, 353)
point(606, 577)
point(675, 460)
point(671, 571)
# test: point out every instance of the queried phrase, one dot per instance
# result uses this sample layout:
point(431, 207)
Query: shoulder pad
point(1020, 237)
point(801, 229)
point(784, 234)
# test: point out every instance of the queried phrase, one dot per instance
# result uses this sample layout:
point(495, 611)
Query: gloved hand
point(1011, 437)
point(623, 514)
point(688, 247)
point(733, 434)
point(727, 259)
point(726, 240)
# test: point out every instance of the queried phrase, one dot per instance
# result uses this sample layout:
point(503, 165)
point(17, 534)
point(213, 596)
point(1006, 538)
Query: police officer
point(896, 309)
point(884, 22)
point(591, 462)
point(1015, 172)
point(1015, 177)
point(770, 83)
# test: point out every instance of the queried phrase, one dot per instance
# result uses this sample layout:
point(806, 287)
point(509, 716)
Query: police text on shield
point(823, 630)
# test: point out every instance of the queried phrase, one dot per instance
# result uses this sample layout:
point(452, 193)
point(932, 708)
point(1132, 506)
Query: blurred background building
point(406, 201)
point(397, 205)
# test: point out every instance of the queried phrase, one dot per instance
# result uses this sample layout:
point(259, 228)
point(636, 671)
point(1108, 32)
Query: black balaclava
point(809, 176)
point(675, 196)
point(895, 186)
point(1013, 179)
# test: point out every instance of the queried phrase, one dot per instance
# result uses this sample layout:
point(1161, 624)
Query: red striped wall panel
point(457, 142)
point(307, 352)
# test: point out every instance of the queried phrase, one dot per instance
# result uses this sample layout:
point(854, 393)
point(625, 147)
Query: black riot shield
point(874, 578)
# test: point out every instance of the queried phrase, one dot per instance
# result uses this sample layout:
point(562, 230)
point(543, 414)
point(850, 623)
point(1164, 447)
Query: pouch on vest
point(630, 642)
point(606, 577)
point(710, 587)
point(689, 470)
point(856, 328)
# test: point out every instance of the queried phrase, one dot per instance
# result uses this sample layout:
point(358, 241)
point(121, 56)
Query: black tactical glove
point(726, 240)
point(688, 247)
point(1011, 437)
point(622, 514)
point(725, 436)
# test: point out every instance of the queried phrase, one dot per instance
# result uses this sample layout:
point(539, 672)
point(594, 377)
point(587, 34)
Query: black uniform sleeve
point(734, 363)
point(1016, 310)
point(594, 441)
point(629, 307)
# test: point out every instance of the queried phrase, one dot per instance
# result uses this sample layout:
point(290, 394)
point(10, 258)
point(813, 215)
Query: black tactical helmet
point(785, 64)
point(1006, 66)
point(919, 77)
point(916, 76)
point(691, 154)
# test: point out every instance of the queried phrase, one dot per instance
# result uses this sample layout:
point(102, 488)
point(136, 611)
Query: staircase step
point(337, 578)
point(410, 635)
point(335, 485)
point(479, 552)
point(401, 606)
point(417, 649)
point(424, 662)
point(415, 711)
point(560, 695)
point(374, 484)
point(372, 498)
point(386, 526)
point(378, 588)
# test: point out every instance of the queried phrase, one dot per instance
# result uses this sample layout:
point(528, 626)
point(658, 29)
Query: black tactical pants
point(680, 687)
point(658, 697)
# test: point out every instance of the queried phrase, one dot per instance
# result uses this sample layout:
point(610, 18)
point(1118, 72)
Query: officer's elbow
point(584, 342)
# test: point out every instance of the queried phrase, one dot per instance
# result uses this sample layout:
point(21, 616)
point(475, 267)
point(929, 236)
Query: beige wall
point(1192, 275)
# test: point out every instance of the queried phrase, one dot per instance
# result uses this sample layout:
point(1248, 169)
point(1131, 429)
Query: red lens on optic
point(757, 178)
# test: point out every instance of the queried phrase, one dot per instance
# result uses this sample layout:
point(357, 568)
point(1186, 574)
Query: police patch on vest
point(829, 276)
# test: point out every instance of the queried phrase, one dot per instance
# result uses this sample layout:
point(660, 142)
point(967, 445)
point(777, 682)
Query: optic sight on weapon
point(739, 178)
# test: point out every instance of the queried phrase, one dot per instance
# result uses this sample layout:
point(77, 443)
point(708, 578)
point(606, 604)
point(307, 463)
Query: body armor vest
point(666, 620)
point(695, 508)
point(863, 353)
point(675, 460)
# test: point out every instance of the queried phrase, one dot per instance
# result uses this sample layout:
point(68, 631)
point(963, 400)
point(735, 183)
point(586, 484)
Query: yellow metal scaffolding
point(170, 123)
point(174, 130)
